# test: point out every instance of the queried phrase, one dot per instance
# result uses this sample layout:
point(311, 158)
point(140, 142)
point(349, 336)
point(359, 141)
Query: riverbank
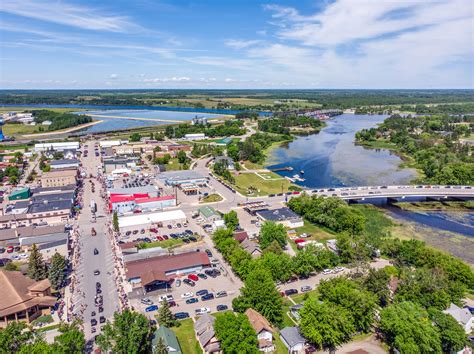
point(467, 206)
point(62, 131)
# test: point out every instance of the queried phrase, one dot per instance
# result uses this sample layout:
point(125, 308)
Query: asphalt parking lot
point(213, 285)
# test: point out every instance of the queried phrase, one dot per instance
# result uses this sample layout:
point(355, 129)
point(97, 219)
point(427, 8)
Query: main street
point(90, 262)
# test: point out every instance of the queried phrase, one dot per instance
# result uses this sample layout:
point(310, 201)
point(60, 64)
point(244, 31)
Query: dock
point(287, 168)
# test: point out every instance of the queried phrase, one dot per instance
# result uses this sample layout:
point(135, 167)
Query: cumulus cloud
point(168, 79)
point(240, 44)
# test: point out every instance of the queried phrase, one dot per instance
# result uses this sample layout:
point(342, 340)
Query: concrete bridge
point(434, 192)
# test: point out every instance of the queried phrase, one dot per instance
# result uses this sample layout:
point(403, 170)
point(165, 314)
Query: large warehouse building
point(143, 221)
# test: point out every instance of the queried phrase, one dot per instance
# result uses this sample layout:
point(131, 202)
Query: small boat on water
point(302, 172)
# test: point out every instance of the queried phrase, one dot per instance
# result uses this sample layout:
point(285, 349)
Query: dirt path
point(62, 131)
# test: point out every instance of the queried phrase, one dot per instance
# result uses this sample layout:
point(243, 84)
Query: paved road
point(88, 261)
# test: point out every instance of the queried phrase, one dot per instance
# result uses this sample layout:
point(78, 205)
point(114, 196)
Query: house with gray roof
point(293, 340)
point(204, 329)
point(462, 316)
point(169, 339)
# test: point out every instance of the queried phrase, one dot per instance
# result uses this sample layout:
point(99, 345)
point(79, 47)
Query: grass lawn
point(47, 328)
point(287, 321)
point(172, 242)
point(380, 144)
point(377, 223)
point(253, 166)
point(279, 346)
point(174, 165)
point(187, 339)
point(316, 232)
point(298, 298)
point(270, 176)
point(264, 187)
point(19, 129)
point(211, 198)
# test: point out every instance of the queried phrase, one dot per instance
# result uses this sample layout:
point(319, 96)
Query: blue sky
point(237, 44)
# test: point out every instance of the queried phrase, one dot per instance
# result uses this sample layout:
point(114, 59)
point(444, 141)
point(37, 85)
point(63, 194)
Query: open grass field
point(163, 244)
point(19, 129)
point(316, 232)
point(186, 337)
point(174, 165)
point(263, 187)
point(211, 198)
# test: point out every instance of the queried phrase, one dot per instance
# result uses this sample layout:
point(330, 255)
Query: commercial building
point(209, 213)
point(23, 299)
point(74, 145)
point(140, 221)
point(64, 163)
point(224, 141)
point(283, 216)
point(177, 178)
point(127, 203)
point(137, 192)
point(110, 143)
point(50, 212)
point(59, 178)
point(158, 272)
point(20, 194)
point(197, 136)
point(119, 163)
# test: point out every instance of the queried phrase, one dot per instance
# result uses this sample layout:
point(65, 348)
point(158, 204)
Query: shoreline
point(62, 131)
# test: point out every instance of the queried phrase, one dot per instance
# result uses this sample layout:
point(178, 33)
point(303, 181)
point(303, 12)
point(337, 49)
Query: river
point(331, 159)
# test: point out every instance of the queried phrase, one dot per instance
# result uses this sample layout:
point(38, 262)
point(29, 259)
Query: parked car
point(192, 300)
point(189, 282)
point(206, 297)
point(166, 297)
point(202, 275)
point(306, 288)
point(222, 307)
point(93, 322)
point(177, 283)
point(102, 319)
point(193, 277)
point(202, 292)
point(202, 310)
point(96, 272)
point(187, 295)
point(339, 269)
point(96, 251)
point(151, 308)
point(146, 301)
point(327, 271)
point(221, 294)
point(209, 253)
point(291, 292)
point(181, 315)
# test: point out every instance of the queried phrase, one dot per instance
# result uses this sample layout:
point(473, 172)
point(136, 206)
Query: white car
point(339, 269)
point(306, 288)
point(202, 310)
point(327, 271)
point(23, 256)
point(15, 257)
point(146, 301)
point(187, 295)
point(165, 298)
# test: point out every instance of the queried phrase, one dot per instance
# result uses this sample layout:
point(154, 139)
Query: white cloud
point(68, 14)
point(168, 79)
point(113, 76)
point(240, 44)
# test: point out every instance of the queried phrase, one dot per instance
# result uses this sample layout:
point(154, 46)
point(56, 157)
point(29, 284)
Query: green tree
point(129, 333)
point(36, 266)
point(271, 231)
point(38, 346)
point(236, 334)
point(377, 282)
point(453, 337)
point(231, 220)
point(19, 157)
point(161, 347)
point(303, 262)
point(58, 155)
point(135, 137)
point(115, 222)
point(407, 328)
point(165, 317)
point(181, 156)
point(325, 324)
point(71, 340)
point(14, 336)
point(56, 271)
point(279, 265)
point(259, 292)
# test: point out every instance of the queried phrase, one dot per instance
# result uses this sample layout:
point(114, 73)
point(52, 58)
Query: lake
point(331, 159)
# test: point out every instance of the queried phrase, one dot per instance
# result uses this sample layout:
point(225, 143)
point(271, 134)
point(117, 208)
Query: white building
point(143, 221)
point(197, 136)
point(73, 145)
point(293, 340)
point(110, 143)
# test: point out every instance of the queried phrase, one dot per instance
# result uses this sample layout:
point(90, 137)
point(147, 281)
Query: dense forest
point(252, 149)
point(433, 142)
point(325, 98)
point(290, 124)
point(60, 120)
point(230, 127)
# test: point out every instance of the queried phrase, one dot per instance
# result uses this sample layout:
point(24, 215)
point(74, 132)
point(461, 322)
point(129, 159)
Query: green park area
point(251, 184)
point(186, 337)
point(212, 198)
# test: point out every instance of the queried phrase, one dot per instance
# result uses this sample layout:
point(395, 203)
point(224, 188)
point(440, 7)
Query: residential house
point(462, 315)
point(169, 339)
point(23, 299)
point(204, 329)
point(209, 213)
point(293, 340)
point(251, 247)
point(263, 329)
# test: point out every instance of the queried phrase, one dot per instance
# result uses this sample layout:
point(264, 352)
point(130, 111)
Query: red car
point(299, 240)
point(137, 211)
point(159, 238)
point(10, 249)
point(165, 237)
point(296, 193)
point(193, 277)
point(154, 230)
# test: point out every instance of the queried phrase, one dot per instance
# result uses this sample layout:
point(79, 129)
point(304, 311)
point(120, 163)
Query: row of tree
point(281, 124)
point(230, 127)
point(60, 120)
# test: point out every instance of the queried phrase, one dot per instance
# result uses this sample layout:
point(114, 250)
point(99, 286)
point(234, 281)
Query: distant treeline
point(326, 98)
point(60, 120)
point(282, 125)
